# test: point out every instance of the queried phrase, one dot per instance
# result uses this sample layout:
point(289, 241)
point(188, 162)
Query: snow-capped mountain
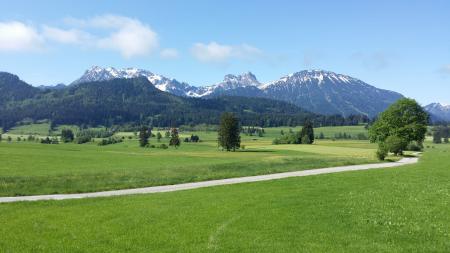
point(438, 111)
point(326, 92)
point(163, 83)
point(245, 85)
point(318, 91)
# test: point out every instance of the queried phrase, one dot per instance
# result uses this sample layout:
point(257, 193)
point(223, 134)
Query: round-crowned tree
point(405, 119)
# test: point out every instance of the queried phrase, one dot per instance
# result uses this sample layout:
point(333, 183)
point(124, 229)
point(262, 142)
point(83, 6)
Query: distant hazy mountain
point(59, 86)
point(318, 91)
point(438, 112)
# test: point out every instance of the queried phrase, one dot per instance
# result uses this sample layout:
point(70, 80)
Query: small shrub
point(163, 146)
point(414, 146)
point(109, 141)
point(82, 139)
point(382, 151)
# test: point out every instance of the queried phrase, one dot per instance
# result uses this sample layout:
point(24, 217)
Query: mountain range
point(135, 101)
point(438, 112)
point(125, 95)
point(318, 91)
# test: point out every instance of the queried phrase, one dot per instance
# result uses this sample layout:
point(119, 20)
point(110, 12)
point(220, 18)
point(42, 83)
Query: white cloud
point(217, 53)
point(169, 53)
point(131, 37)
point(17, 36)
point(71, 36)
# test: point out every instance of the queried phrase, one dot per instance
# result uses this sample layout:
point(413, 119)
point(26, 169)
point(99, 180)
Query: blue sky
point(398, 45)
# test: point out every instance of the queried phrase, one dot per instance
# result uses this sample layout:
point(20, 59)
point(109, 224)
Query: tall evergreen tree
point(437, 137)
point(307, 134)
point(158, 136)
point(174, 138)
point(144, 134)
point(228, 134)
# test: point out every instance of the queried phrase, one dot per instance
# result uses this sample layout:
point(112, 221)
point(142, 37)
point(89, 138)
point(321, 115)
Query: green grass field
point(34, 168)
point(403, 209)
point(41, 129)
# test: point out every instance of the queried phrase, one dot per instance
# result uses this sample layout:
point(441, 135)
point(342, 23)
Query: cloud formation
point(17, 36)
point(214, 52)
point(70, 36)
point(130, 37)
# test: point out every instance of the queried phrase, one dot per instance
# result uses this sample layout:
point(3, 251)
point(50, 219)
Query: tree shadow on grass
point(256, 151)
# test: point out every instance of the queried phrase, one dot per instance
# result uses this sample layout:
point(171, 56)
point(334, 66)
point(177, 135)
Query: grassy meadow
point(403, 209)
point(29, 168)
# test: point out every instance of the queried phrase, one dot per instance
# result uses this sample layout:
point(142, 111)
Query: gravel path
point(187, 186)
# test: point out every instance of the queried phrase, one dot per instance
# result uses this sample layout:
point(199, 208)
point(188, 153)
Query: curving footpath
point(187, 186)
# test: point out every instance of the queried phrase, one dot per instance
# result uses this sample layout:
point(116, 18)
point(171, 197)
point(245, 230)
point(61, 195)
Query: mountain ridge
point(438, 111)
point(137, 101)
point(319, 91)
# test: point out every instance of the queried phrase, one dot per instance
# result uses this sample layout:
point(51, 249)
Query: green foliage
point(382, 151)
point(395, 144)
point(229, 132)
point(439, 133)
point(109, 141)
point(162, 146)
point(174, 138)
point(158, 136)
point(405, 119)
point(305, 136)
point(414, 146)
point(47, 140)
point(86, 135)
point(67, 135)
point(307, 133)
point(193, 138)
point(144, 134)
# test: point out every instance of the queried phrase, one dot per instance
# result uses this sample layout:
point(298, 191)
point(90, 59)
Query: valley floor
point(189, 186)
point(30, 168)
point(402, 209)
